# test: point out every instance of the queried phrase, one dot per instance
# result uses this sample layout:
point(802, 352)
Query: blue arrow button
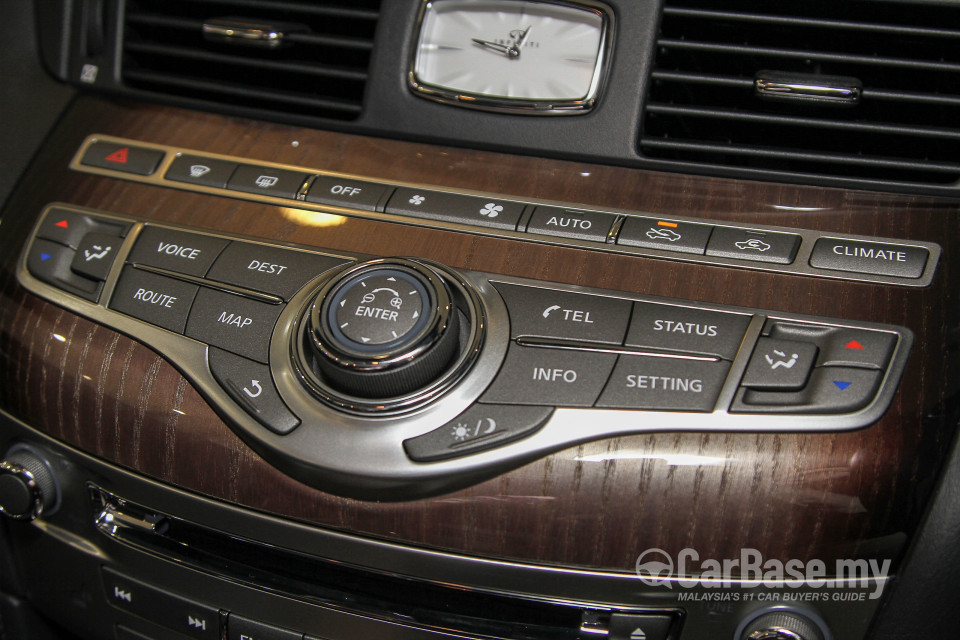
point(842, 385)
point(44, 256)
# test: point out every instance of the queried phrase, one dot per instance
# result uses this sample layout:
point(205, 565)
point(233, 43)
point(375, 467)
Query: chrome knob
point(782, 625)
point(28, 488)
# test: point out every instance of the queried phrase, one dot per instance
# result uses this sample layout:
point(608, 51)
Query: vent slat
point(800, 21)
point(795, 121)
point(258, 64)
point(244, 92)
point(703, 109)
point(836, 158)
point(319, 70)
point(806, 54)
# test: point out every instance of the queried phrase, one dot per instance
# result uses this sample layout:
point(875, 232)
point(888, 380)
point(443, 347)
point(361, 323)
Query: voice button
point(176, 250)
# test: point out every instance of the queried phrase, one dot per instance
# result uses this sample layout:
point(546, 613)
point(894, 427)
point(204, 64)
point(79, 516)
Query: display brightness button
point(481, 427)
point(668, 384)
point(686, 329)
point(234, 323)
point(548, 313)
point(558, 377)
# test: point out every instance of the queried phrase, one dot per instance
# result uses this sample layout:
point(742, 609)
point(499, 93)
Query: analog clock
point(510, 55)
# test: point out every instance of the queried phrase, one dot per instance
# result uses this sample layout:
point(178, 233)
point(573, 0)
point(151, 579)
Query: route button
point(547, 313)
point(153, 298)
point(250, 384)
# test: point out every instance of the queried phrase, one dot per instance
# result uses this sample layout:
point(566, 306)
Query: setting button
point(830, 390)
point(548, 313)
point(669, 384)
point(653, 233)
point(452, 207)
point(340, 192)
point(250, 384)
point(558, 377)
point(179, 251)
point(268, 269)
point(481, 427)
point(858, 256)
point(571, 223)
point(748, 244)
point(266, 181)
point(780, 364)
point(686, 329)
point(234, 323)
point(152, 298)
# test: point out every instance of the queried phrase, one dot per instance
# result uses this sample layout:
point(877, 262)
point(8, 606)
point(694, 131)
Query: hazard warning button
point(122, 157)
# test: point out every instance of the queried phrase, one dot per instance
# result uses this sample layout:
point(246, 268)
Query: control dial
point(383, 329)
point(782, 625)
point(27, 486)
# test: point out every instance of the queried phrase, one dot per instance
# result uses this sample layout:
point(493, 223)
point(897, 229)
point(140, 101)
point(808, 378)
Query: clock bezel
point(521, 106)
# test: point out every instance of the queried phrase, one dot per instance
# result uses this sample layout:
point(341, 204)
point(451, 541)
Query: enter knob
point(782, 625)
point(27, 486)
point(384, 328)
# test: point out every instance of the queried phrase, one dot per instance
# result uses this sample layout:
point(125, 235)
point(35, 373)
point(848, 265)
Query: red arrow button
point(853, 344)
point(62, 224)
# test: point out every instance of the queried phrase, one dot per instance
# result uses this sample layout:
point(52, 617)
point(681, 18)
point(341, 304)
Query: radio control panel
point(396, 378)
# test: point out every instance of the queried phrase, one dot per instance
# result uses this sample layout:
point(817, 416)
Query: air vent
point(316, 67)
point(703, 106)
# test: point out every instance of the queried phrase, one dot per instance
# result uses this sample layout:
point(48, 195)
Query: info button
point(547, 313)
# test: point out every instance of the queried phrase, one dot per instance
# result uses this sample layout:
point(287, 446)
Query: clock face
point(509, 55)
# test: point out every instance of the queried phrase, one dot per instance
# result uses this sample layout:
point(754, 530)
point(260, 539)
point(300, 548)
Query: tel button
point(547, 313)
point(176, 250)
point(686, 329)
point(550, 377)
point(269, 269)
point(153, 298)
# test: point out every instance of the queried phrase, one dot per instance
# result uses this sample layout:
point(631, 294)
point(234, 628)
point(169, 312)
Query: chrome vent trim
point(319, 68)
point(702, 107)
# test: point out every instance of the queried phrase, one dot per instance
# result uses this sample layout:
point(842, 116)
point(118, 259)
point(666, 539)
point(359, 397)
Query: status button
point(686, 329)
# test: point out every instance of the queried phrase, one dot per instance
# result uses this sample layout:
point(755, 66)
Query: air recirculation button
point(388, 334)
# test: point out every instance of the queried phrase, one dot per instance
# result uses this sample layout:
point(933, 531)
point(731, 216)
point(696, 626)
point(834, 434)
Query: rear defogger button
point(686, 329)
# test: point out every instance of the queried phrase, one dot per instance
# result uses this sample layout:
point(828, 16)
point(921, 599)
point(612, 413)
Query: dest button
point(269, 269)
point(555, 377)
point(547, 313)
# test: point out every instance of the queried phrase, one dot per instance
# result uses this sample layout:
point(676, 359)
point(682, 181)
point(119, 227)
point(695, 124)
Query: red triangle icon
point(120, 156)
point(853, 344)
point(63, 224)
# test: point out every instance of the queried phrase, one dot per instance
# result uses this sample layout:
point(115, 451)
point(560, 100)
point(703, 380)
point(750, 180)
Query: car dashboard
point(479, 319)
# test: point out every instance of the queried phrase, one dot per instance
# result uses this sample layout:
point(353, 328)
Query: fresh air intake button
point(50, 262)
point(481, 427)
point(69, 227)
point(840, 347)
point(663, 383)
point(268, 269)
point(757, 246)
point(153, 298)
point(173, 612)
point(830, 390)
point(206, 172)
point(266, 181)
point(571, 223)
point(686, 329)
point(563, 315)
point(234, 323)
point(122, 157)
point(860, 256)
point(451, 207)
point(179, 251)
point(250, 384)
point(343, 192)
point(558, 377)
point(653, 233)
point(783, 365)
